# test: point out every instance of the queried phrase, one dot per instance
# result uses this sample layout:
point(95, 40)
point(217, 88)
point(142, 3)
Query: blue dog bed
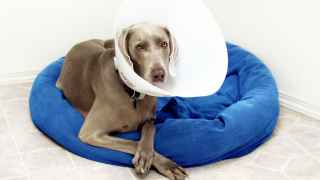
point(191, 131)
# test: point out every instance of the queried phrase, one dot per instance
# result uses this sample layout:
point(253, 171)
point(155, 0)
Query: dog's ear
point(123, 43)
point(173, 51)
point(172, 43)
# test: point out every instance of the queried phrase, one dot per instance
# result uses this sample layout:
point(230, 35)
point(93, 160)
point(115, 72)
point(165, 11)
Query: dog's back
point(77, 72)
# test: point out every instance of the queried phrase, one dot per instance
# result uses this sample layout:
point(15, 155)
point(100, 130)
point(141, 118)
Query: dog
point(91, 83)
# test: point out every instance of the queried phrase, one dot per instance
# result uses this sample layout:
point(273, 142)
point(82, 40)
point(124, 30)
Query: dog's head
point(150, 48)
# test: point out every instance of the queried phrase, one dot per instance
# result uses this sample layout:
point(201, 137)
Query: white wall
point(284, 33)
point(35, 32)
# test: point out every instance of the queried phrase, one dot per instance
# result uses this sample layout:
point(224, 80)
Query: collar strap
point(136, 95)
point(131, 92)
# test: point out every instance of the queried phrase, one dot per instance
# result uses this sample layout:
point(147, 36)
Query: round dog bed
point(191, 131)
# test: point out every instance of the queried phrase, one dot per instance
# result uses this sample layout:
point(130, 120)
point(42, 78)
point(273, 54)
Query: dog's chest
point(135, 115)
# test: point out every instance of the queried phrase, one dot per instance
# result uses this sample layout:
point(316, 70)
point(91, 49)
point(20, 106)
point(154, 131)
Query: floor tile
point(287, 113)
point(102, 171)
point(238, 173)
point(3, 125)
point(293, 152)
point(16, 178)
point(282, 146)
point(265, 174)
point(17, 115)
point(7, 145)
point(32, 141)
point(81, 162)
point(238, 168)
point(153, 175)
point(27, 85)
point(303, 168)
point(271, 161)
point(215, 167)
point(105, 173)
point(310, 122)
point(285, 124)
point(20, 178)
point(8, 92)
point(307, 137)
point(11, 166)
point(47, 159)
point(57, 173)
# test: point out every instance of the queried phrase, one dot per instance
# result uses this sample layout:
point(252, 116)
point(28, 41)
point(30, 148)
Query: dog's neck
point(134, 95)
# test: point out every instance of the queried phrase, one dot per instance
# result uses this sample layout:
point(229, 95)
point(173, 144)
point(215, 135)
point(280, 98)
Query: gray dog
point(91, 83)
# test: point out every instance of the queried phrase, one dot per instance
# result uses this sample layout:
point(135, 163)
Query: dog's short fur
point(91, 83)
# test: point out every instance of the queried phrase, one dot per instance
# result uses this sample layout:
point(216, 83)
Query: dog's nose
point(157, 74)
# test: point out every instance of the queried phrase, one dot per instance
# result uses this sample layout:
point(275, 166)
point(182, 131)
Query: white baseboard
point(18, 77)
point(299, 105)
point(286, 100)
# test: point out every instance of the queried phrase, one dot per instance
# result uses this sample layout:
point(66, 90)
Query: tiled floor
point(25, 154)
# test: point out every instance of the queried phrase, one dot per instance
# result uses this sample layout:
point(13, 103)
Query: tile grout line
point(266, 168)
point(73, 164)
point(74, 167)
point(308, 126)
point(303, 149)
point(285, 166)
point(281, 156)
point(20, 154)
point(43, 149)
point(286, 175)
point(293, 140)
point(250, 160)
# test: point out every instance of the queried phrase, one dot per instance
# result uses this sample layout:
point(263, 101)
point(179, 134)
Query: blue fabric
point(191, 131)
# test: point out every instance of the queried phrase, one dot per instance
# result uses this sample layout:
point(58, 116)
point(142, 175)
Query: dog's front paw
point(142, 161)
point(170, 169)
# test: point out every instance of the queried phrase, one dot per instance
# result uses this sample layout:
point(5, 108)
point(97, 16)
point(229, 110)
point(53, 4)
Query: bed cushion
point(191, 131)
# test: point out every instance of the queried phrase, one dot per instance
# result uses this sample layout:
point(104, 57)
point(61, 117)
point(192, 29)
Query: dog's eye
point(164, 44)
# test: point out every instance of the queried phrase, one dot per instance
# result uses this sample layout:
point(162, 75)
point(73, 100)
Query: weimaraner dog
point(90, 81)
